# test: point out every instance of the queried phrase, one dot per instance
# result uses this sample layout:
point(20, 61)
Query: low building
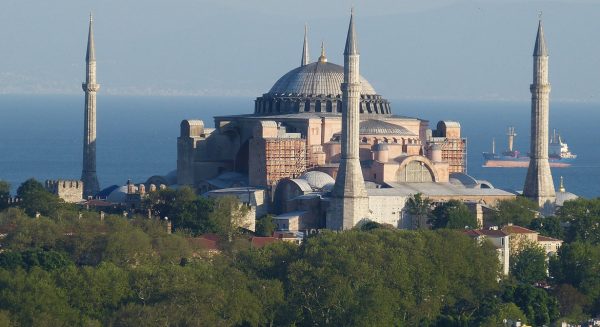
point(521, 237)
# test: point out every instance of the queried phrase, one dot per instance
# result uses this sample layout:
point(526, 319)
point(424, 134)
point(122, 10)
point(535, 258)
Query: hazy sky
point(447, 49)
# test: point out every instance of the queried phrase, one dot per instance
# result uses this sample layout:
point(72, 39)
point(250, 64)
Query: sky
point(417, 49)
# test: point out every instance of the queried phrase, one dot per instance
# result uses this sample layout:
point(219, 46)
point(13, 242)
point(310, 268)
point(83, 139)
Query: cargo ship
point(558, 153)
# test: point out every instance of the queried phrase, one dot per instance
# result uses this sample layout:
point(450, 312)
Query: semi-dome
point(118, 195)
point(317, 179)
point(380, 127)
point(318, 78)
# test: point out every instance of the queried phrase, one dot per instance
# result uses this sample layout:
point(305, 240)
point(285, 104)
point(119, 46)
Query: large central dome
point(317, 78)
point(316, 88)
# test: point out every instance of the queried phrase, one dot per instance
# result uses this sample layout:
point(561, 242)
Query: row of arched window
point(277, 106)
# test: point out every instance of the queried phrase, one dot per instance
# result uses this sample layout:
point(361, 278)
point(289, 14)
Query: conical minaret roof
point(351, 40)
point(305, 54)
point(540, 42)
point(91, 50)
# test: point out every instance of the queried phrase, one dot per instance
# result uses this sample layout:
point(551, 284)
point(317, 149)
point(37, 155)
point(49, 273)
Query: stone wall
point(69, 190)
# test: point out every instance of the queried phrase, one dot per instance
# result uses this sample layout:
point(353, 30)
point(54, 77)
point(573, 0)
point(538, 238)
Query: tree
point(185, 209)
point(265, 226)
point(548, 226)
point(4, 194)
point(227, 217)
point(454, 215)
point(420, 276)
point(520, 211)
point(572, 303)
point(529, 265)
point(419, 208)
point(578, 264)
point(503, 313)
point(35, 198)
point(583, 218)
point(539, 307)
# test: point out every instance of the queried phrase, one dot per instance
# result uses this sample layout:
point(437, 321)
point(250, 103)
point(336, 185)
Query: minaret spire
point(90, 87)
point(351, 47)
point(305, 54)
point(91, 50)
point(539, 185)
point(350, 203)
point(540, 48)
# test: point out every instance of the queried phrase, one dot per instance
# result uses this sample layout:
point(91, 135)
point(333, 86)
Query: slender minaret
point(305, 54)
point(538, 184)
point(349, 203)
point(90, 87)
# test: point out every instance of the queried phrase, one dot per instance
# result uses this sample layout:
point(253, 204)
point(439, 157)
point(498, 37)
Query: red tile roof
point(259, 242)
point(514, 229)
point(542, 238)
point(486, 232)
point(207, 242)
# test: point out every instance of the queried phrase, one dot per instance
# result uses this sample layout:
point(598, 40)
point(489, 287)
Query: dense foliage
point(131, 272)
point(71, 268)
point(520, 211)
point(453, 214)
point(529, 264)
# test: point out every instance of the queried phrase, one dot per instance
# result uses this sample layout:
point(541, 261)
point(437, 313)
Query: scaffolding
point(284, 158)
point(454, 151)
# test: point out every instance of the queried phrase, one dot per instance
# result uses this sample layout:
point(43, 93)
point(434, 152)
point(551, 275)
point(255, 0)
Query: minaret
point(305, 54)
point(538, 184)
point(349, 203)
point(90, 87)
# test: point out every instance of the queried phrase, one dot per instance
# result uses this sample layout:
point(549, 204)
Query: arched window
point(414, 172)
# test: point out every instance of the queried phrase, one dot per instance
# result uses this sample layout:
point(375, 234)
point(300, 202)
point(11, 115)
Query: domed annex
point(317, 179)
point(316, 87)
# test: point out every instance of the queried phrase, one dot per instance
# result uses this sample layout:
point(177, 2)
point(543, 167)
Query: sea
point(41, 135)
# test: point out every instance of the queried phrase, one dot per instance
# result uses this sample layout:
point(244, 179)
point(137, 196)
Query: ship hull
point(521, 163)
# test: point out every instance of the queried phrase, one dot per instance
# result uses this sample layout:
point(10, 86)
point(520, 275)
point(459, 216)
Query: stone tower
point(539, 185)
point(90, 87)
point(349, 203)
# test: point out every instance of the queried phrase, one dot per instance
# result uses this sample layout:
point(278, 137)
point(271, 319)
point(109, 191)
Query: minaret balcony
point(91, 87)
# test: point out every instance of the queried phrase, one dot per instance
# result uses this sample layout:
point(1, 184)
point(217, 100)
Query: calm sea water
point(41, 136)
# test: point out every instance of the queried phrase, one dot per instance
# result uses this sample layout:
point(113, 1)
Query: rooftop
point(434, 189)
point(319, 77)
point(514, 229)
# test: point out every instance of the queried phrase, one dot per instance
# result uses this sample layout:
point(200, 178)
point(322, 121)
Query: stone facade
point(69, 190)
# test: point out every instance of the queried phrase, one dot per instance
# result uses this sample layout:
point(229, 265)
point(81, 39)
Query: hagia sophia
point(291, 149)
point(323, 149)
